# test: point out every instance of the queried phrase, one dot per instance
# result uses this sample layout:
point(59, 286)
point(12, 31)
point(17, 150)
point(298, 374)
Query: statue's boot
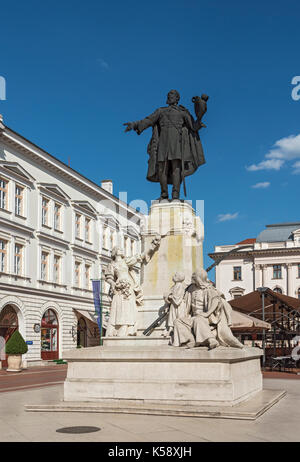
point(213, 343)
point(163, 196)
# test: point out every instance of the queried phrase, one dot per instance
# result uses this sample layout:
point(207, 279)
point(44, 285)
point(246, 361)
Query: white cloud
point(283, 150)
point(272, 164)
point(263, 185)
point(227, 216)
point(286, 148)
point(296, 167)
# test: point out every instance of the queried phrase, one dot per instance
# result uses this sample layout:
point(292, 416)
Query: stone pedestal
point(181, 245)
point(181, 249)
point(145, 376)
point(161, 374)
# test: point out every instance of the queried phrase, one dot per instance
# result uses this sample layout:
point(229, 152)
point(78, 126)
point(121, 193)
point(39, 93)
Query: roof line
point(73, 170)
point(283, 224)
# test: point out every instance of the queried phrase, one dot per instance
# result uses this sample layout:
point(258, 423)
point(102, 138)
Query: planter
point(14, 363)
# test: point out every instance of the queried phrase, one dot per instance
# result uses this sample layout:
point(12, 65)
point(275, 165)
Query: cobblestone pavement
point(280, 423)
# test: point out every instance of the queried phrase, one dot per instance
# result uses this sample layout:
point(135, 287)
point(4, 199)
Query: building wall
point(257, 269)
point(111, 223)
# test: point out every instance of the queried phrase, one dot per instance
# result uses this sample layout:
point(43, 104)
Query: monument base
point(126, 376)
point(162, 374)
point(250, 409)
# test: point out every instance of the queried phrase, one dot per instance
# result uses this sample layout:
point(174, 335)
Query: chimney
point(107, 185)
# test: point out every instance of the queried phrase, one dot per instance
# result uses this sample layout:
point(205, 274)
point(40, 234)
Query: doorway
point(49, 336)
point(81, 333)
point(8, 325)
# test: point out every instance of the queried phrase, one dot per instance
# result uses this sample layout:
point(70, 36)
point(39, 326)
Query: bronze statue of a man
point(175, 150)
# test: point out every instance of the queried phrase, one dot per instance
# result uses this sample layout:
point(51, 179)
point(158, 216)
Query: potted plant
point(15, 348)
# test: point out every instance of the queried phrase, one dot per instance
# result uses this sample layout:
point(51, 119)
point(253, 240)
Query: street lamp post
point(262, 291)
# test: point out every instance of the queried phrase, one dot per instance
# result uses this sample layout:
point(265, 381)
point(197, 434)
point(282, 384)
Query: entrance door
point(8, 325)
point(49, 336)
point(81, 333)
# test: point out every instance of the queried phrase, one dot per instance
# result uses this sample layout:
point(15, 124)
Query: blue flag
point(96, 283)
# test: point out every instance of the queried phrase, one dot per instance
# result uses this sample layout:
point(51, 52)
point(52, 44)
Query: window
point(237, 273)
point(18, 259)
point(278, 290)
point(3, 255)
point(77, 225)
point(57, 209)
point(45, 211)
point(19, 200)
point(44, 266)
point(87, 276)
point(77, 274)
point(3, 193)
point(298, 293)
point(87, 229)
point(298, 270)
point(56, 269)
point(277, 272)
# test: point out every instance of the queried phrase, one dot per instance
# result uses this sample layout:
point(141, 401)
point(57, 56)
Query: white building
point(271, 260)
point(57, 229)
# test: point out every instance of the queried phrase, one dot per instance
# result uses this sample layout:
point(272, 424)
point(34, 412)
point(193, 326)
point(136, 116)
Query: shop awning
point(90, 315)
point(244, 322)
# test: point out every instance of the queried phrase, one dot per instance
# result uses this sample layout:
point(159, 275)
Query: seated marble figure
point(209, 317)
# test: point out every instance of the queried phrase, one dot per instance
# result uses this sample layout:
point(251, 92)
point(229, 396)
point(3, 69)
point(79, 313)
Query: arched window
point(278, 290)
point(8, 321)
point(298, 293)
point(49, 335)
point(8, 324)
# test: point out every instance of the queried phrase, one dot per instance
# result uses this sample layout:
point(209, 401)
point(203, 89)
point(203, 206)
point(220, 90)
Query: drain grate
point(77, 430)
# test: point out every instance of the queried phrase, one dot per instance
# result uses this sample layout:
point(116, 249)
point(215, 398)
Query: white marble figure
point(175, 301)
point(125, 290)
point(209, 319)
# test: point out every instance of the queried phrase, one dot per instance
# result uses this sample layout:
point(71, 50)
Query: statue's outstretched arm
point(141, 125)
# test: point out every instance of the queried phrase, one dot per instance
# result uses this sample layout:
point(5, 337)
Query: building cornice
point(83, 250)
point(52, 239)
point(13, 289)
point(255, 253)
point(17, 227)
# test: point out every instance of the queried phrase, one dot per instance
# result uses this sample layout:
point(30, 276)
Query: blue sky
point(76, 71)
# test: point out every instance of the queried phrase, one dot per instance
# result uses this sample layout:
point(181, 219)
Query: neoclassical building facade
point(272, 259)
point(57, 229)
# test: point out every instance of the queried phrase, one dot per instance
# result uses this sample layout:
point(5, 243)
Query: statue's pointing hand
point(130, 126)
